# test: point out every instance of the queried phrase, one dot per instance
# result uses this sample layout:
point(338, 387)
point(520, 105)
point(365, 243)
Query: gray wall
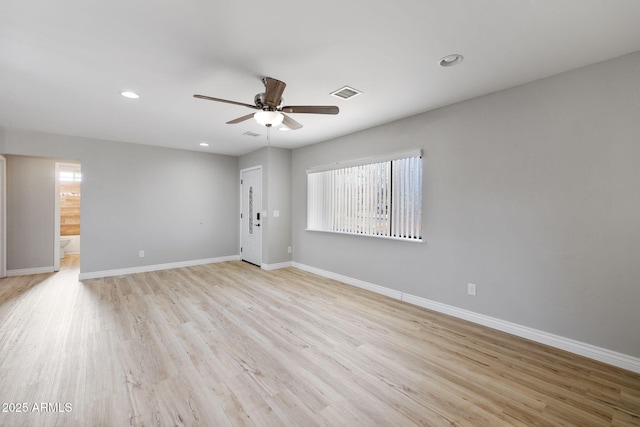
point(531, 193)
point(276, 195)
point(279, 185)
point(30, 212)
point(176, 205)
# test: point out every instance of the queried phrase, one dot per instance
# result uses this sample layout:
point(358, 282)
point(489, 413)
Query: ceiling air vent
point(248, 133)
point(346, 93)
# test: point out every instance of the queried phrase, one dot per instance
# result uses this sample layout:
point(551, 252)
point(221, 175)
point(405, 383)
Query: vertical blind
point(381, 198)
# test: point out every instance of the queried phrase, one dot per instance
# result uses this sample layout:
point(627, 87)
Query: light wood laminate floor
point(231, 345)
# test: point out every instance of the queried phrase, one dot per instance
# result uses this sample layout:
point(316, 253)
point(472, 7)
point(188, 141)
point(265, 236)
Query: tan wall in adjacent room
point(69, 208)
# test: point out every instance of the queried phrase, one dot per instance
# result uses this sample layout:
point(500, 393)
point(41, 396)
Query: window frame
point(387, 186)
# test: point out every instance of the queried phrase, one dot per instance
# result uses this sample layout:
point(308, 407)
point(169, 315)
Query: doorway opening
point(67, 211)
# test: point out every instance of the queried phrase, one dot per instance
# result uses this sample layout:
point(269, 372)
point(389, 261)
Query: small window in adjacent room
point(379, 197)
point(70, 176)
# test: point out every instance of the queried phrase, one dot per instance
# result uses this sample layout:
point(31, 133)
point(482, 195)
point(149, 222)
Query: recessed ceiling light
point(451, 60)
point(131, 95)
point(204, 144)
point(283, 128)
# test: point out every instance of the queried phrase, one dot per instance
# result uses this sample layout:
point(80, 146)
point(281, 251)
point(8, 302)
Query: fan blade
point(226, 101)
point(290, 123)
point(317, 109)
point(273, 91)
point(240, 119)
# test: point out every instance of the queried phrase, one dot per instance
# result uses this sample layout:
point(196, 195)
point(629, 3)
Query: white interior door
point(251, 216)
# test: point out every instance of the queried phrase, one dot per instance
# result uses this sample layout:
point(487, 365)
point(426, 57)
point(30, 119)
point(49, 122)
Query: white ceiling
point(63, 63)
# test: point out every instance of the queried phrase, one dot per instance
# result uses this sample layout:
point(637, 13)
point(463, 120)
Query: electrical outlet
point(141, 254)
point(471, 289)
point(289, 249)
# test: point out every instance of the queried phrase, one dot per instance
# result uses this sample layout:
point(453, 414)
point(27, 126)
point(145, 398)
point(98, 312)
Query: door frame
point(259, 167)
point(3, 217)
point(56, 223)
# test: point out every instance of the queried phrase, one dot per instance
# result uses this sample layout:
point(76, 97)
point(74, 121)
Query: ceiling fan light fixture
point(268, 118)
point(270, 109)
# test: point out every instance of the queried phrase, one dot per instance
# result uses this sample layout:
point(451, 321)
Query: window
point(250, 210)
point(70, 176)
point(377, 197)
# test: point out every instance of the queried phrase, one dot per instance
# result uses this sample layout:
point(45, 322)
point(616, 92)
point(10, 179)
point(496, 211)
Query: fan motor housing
point(258, 100)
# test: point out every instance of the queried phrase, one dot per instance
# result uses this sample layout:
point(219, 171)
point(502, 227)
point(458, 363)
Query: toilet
point(63, 243)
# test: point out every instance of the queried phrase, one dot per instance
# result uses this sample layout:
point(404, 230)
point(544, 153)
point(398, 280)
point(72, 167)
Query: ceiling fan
point(269, 105)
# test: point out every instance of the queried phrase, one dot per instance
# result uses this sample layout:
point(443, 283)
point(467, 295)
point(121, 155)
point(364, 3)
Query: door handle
point(257, 225)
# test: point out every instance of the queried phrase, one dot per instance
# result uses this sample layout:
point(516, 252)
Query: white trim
point(155, 267)
point(366, 161)
point(56, 216)
point(276, 266)
point(350, 281)
point(377, 236)
point(250, 169)
point(28, 271)
point(577, 347)
point(3, 216)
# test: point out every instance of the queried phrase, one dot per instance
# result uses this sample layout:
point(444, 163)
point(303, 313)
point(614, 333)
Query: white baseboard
point(155, 267)
point(583, 349)
point(350, 281)
point(27, 271)
point(276, 266)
